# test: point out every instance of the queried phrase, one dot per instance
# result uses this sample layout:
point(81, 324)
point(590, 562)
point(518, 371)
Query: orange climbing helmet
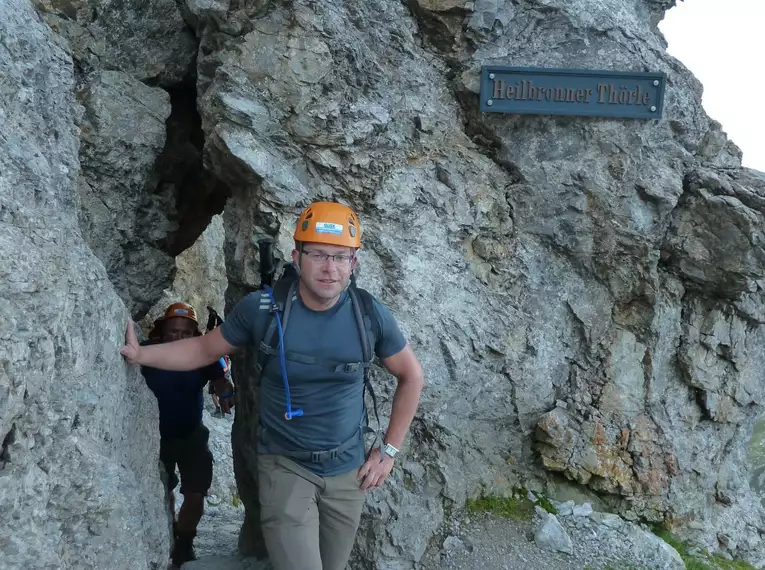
point(330, 223)
point(180, 310)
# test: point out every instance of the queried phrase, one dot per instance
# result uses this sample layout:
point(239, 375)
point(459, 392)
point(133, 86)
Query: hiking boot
point(183, 551)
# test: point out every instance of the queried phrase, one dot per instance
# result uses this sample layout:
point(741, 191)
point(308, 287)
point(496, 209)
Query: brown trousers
point(308, 522)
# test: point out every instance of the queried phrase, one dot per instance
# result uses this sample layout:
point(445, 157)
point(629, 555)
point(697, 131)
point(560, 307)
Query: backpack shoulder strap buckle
point(352, 367)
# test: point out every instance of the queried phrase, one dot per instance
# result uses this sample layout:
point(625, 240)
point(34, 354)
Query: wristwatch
point(388, 449)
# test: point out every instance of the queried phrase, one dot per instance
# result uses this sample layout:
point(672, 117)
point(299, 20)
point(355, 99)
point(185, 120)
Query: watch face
point(390, 450)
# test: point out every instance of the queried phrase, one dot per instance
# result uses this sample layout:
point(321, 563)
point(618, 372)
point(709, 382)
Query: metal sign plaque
point(582, 92)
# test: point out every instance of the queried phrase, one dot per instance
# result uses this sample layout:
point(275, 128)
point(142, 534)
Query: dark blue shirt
point(180, 396)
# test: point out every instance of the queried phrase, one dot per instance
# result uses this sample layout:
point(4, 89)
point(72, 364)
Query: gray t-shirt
point(332, 402)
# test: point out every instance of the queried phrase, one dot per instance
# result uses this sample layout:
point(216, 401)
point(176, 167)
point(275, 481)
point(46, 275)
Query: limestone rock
point(123, 132)
point(453, 543)
point(586, 295)
point(584, 510)
point(79, 479)
point(550, 535)
point(224, 485)
point(149, 40)
point(565, 509)
point(200, 277)
point(145, 196)
point(617, 539)
point(723, 254)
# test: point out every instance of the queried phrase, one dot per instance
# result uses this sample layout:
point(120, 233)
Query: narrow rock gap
point(196, 194)
point(8, 440)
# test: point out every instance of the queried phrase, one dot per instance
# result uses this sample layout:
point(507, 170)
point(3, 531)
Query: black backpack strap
point(363, 310)
point(284, 292)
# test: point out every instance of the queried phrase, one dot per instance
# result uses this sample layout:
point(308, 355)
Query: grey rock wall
point(200, 277)
point(145, 196)
point(79, 476)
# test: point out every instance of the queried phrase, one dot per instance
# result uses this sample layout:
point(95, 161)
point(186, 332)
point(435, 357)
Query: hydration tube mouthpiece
point(290, 413)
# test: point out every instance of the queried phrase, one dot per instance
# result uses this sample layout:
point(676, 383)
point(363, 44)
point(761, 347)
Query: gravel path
point(483, 543)
point(578, 539)
point(218, 532)
point(498, 544)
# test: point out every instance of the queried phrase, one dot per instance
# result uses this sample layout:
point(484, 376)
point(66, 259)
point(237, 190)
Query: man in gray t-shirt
point(312, 468)
point(332, 402)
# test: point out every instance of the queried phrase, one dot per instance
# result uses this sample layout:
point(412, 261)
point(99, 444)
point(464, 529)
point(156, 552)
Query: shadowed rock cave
point(168, 204)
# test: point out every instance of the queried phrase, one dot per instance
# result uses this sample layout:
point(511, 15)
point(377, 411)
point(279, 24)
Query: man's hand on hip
point(374, 472)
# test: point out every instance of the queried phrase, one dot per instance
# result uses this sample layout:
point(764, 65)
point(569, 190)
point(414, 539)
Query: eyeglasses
point(339, 258)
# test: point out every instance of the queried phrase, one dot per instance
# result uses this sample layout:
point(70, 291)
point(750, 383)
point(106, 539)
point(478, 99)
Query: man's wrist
point(389, 450)
point(140, 354)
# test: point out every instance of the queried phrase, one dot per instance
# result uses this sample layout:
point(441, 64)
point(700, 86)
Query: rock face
point(756, 458)
point(123, 132)
point(144, 194)
point(79, 478)
point(150, 42)
point(585, 294)
point(200, 277)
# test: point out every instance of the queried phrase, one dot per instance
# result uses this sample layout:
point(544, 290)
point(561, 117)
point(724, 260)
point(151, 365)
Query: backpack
point(282, 295)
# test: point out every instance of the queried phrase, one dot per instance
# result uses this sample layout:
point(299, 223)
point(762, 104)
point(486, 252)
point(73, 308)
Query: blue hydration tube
point(290, 413)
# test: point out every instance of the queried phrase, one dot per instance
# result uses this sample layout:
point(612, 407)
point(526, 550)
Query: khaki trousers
point(308, 522)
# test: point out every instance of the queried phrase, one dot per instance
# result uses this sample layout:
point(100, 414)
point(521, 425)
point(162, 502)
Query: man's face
point(177, 328)
point(325, 277)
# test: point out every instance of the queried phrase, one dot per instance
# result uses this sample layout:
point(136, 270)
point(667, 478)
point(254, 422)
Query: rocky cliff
point(79, 479)
point(586, 295)
point(143, 192)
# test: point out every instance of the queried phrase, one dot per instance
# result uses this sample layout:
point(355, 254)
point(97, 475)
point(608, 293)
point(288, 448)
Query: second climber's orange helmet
point(330, 223)
point(180, 310)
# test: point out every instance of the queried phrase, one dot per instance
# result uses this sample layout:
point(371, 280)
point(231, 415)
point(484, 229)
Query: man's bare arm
point(407, 369)
point(186, 354)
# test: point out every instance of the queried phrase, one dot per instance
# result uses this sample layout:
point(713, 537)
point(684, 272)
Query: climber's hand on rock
point(374, 472)
point(131, 349)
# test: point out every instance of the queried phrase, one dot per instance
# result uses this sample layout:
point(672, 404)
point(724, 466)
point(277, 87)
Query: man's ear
point(296, 257)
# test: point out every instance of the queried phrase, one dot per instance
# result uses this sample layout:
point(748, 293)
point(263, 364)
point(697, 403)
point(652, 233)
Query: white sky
point(723, 43)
